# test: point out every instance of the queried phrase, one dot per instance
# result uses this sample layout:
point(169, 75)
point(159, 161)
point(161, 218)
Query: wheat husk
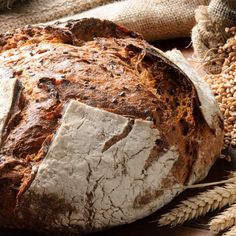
point(231, 232)
point(223, 221)
point(199, 205)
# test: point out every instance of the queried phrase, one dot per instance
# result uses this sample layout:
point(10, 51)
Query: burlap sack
point(6, 4)
point(154, 19)
point(37, 11)
point(209, 33)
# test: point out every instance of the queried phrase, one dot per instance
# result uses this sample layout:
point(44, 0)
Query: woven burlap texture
point(209, 32)
point(39, 11)
point(154, 19)
point(6, 3)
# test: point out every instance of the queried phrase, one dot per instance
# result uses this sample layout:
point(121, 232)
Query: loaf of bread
point(97, 127)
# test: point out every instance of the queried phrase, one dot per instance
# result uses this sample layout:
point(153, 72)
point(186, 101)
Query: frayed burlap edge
point(209, 33)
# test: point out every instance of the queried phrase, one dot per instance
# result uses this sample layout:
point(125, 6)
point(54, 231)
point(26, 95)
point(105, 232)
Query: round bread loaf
point(97, 127)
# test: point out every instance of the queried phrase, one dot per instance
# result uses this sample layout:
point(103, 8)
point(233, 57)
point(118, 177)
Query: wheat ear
point(200, 204)
point(231, 232)
point(224, 221)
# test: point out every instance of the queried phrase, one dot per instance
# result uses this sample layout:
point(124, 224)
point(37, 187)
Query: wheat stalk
point(231, 232)
point(224, 221)
point(200, 204)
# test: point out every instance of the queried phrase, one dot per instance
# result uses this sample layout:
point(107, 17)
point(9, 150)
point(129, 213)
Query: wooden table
point(147, 226)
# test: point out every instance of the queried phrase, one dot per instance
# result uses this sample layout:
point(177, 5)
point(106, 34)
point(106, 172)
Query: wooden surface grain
point(148, 226)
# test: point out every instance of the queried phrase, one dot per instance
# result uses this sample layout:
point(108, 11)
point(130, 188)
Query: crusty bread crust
point(110, 68)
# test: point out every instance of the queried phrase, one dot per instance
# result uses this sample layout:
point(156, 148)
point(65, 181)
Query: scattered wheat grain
point(223, 86)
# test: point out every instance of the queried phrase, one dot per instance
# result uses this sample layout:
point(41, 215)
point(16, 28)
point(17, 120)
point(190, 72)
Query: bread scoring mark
point(88, 29)
point(147, 197)
point(127, 129)
point(208, 104)
point(8, 87)
point(14, 115)
point(163, 167)
point(159, 149)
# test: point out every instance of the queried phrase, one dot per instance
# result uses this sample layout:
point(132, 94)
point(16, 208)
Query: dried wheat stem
point(200, 204)
point(231, 232)
point(203, 185)
point(224, 221)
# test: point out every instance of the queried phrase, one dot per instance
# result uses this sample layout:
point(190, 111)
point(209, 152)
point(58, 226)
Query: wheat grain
point(224, 221)
point(231, 232)
point(223, 85)
point(200, 204)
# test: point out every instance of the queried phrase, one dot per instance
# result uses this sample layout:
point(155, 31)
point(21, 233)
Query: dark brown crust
point(102, 65)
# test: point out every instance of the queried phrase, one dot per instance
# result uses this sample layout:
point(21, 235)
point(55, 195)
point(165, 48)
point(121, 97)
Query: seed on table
point(214, 86)
point(221, 90)
point(227, 141)
point(233, 58)
point(231, 54)
point(231, 99)
point(222, 106)
point(232, 119)
point(234, 47)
